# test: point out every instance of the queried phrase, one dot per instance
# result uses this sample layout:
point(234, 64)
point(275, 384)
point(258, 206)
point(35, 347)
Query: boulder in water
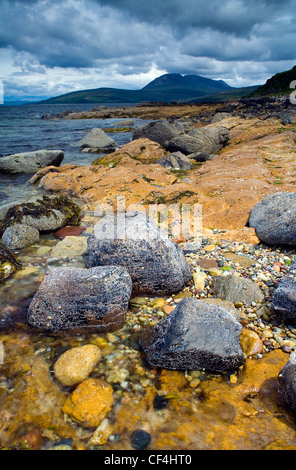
point(30, 162)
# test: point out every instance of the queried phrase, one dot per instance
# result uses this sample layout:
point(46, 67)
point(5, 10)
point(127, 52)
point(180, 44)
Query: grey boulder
point(274, 219)
point(44, 213)
point(97, 140)
point(30, 162)
point(76, 298)
point(19, 236)
point(236, 289)
point(196, 335)
point(205, 139)
point(176, 161)
point(156, 264)
point(220, 116)
point(160, 131)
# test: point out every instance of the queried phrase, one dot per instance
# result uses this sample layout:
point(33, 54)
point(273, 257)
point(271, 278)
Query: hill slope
point(166, 88)
point(278, 84)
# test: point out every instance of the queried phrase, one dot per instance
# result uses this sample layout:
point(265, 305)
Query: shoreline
point(258, 160)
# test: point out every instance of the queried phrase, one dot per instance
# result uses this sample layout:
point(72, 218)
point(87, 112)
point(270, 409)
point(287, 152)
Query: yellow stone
point(158, 303)
point(250, 342)
point(194, 383)
point(90, 403)
point(209, 247)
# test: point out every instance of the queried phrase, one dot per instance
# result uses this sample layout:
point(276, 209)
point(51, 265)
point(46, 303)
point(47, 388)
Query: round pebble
point(140, 439)
point(76, 364)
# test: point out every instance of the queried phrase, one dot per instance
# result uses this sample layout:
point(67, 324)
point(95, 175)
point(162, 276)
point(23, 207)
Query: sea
point(22, 129)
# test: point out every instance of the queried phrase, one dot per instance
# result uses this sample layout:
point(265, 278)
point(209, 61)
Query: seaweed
point(41, 207)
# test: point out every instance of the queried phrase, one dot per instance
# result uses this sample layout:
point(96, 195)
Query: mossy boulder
point(8, 262)
point(44, 213)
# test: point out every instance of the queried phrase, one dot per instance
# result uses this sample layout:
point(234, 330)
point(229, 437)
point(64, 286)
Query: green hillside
point(279, 84)
point(166, 88)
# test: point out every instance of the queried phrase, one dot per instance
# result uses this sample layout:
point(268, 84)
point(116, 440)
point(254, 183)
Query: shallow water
point(23, 130)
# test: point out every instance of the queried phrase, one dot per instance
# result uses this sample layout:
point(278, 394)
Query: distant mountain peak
point(191, 81)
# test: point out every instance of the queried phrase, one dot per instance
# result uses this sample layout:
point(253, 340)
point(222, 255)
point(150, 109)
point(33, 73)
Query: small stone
point(209, 248)
point(251, 343)
point(140, 439)
point(102, 433)
point(194, 383)
point(69, 231)
point(76, 364)
point(158, 303)
point(233, 379)
point(199, 280)
point(267, 334)
point(215, 272)
point(90, 402)
point(167, 309)
point(19, 236)
point(70, 247)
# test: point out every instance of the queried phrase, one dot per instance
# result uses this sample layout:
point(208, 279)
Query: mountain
point(278, 84)
point(166, 88)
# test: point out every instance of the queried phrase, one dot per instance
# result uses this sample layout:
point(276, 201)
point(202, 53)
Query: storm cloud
point(53, 47)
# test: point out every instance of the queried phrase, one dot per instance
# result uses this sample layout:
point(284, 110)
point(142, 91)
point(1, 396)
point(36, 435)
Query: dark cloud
point(237, 40)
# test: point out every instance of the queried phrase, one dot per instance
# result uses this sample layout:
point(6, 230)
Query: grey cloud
point(233, 38)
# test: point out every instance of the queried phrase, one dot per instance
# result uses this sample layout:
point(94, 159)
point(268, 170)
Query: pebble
point(76, 364)
point(199, 280)
point(89, 403)
point(140, 439)
point(102, 433)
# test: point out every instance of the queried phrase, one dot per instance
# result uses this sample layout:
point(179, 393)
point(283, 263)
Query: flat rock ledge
point(78, 298)
point(196, 335)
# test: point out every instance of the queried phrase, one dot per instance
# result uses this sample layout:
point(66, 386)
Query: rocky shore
point(154, 341)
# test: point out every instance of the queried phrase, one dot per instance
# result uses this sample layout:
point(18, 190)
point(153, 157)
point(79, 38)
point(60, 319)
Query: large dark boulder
point(287, 382)
point(155, 263)
point(284, 297)
point(274, 219)
point(196, 335)
point(76, 298)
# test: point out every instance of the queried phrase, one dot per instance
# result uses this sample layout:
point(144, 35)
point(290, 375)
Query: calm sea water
point(23, 130)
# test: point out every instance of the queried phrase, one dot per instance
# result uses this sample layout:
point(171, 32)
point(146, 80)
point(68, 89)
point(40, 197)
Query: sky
point(52, 47)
